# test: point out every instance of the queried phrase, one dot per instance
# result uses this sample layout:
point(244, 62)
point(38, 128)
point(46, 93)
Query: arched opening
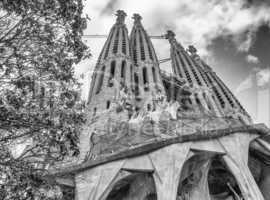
point(205, 176)
point(139, 186)
point(222, 184)
point(100, 80)
point(191, 175)
point(112, 72)
point(259, 164)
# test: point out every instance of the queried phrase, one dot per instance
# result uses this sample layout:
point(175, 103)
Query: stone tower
point(147, 78)
point(156, 136)
point(113, 71)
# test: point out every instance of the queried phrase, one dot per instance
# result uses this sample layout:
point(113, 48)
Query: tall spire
point(114, 66)
point(192, 68)
point(147, 78)
point(184, 66)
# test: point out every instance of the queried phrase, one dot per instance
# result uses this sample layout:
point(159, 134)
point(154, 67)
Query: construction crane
point(105, 36)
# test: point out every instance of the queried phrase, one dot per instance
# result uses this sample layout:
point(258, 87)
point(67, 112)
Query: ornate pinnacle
point(170, 35)
point(121, 15)
point(137, 18)
point(192, 50)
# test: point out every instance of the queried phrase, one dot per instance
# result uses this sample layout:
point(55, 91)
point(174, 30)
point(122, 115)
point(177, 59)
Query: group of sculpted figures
point(157, 118)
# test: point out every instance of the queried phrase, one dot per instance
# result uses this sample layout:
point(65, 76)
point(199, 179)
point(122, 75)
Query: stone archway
point(222, 183)
point(136, 186)
point(193, 179)
point(258, 163)
point(205, 176)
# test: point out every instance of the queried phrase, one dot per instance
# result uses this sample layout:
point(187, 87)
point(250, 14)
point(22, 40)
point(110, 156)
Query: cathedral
point(152, 135)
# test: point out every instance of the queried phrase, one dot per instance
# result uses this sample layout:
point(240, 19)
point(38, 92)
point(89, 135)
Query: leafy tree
point(40, 41)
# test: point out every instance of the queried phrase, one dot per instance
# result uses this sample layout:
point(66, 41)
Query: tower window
point(148, 107)
point(145, 78)
point(112, 68)
point(154, 74)
point(112, 72)
point(123, 69)
point(94, 112)
point(100, 80)
point(136, 79)
point(108, 104)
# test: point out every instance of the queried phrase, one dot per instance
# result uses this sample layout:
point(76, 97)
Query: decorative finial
point(121, 15)
point(191, 49)
point(170, 35)
point(137, 18)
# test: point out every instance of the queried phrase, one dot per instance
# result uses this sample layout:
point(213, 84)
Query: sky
point(232, 36)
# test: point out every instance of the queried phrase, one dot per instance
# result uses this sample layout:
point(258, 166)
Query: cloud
point(262, 80)
point(199, 22)
point(244, 85)
point(263, 77)
point(252, 59)
point(110, 7)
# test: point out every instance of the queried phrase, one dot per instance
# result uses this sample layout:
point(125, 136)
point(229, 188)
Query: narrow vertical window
point(112, 68)
point(154, 74)
point(136, 80)
point(123, 69)
point(94, 112)
point(112, 72)
point(108, 104)
point(100, 80)
point(145, 78)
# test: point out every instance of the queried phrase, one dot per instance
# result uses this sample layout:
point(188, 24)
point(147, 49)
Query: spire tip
point(170, 35)
point(121, 15)
point(137, 18)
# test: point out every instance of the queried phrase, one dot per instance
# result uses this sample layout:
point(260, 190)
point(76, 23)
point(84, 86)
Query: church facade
point(153, 135)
